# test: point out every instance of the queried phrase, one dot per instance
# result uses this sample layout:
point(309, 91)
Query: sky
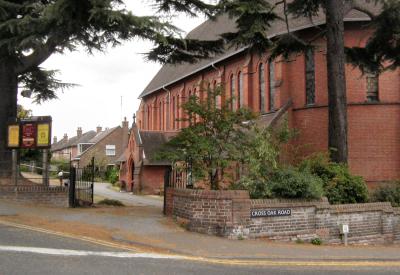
point(109, 82)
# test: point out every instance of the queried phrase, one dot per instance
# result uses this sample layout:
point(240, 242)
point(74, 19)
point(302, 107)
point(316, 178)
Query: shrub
point(316, 241)
point(294, 184)
point(112, 175)
point(340, 186)
point(388, 193)
point(258, 189)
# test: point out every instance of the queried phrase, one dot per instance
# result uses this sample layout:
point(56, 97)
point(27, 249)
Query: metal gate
point(81, 185)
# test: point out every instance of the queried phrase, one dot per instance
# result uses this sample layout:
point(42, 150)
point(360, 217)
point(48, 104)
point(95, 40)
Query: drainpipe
point(168, 106)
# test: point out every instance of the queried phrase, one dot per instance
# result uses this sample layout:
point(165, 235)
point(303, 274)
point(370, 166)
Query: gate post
point(166, 185)
point(45, 171)
point(71, 187)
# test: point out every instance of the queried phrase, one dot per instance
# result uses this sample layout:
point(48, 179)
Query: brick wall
point(54, 196)
point(227, 213)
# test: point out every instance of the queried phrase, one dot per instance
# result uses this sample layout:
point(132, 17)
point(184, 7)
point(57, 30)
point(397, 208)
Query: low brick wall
point(54, 196)
point(228, 213)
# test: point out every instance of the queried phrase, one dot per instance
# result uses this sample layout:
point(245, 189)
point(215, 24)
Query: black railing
point(81, 189)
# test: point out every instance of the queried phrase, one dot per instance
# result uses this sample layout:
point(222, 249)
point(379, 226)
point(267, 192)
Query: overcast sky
point(103, 78)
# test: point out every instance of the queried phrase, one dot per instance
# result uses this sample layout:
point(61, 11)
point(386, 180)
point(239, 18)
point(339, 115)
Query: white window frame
point(110, 150)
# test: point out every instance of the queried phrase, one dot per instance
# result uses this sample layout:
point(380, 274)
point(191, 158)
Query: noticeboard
point(32, 133)
point(13, 136)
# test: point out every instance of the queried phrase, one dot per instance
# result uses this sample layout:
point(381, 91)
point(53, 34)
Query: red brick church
point(297, 87)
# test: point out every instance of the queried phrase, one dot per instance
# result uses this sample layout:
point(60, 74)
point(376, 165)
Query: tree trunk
point(8, 110)
point(336, 81)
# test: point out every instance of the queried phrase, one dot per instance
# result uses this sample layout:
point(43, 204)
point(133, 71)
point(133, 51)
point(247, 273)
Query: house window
point(261, 84)
point(232, 93)
point(372, 87)
point(310, 76)
point(240, 93)
point(110, 150)
point(271, 85)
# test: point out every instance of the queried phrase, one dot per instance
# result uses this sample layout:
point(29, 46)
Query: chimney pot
point(99, 129)
point(79, 132)
point(65, 137)
point(125, 123)
point(54, 139)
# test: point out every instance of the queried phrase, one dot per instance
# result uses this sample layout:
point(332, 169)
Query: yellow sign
point(43, 135)
point(13, 136)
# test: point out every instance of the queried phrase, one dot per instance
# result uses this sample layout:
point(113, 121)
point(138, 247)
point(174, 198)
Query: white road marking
point(68, 252)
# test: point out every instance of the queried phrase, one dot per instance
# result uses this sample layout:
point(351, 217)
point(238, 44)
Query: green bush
point(340, 186)
point(112, 175)
point(258, 189)
point(294, 184)
point(388, 193)
point(316, 241)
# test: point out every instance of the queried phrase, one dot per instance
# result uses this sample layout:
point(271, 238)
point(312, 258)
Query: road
point(102, 189)
point(24, 251)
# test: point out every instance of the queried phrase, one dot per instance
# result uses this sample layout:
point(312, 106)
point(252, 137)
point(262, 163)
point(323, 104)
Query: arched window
point(271, 85)
point(261, 84)
point(160, 115)
point(173, 112)
point(240, 93)
point(310, 76)
point(148, 118)
point(232, 93)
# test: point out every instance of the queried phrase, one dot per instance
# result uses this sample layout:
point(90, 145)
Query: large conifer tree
point(32, 30)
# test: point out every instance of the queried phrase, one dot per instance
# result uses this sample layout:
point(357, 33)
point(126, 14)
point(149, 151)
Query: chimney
point(99, 129)
point(125, 133)
point(65, 138)
point(54, 139)
point(125, 123)
point(79, 132)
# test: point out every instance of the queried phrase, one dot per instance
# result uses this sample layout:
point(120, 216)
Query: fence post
point(45, 172)
point(166, 185)
point(71, 189)
point(92, 183)
point(15, 167)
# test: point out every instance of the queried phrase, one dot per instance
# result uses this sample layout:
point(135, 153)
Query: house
point(296, 86)
point(106, 146)
point(67, 149)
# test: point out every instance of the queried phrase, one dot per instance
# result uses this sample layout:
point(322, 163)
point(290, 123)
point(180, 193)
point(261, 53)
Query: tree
point(382, 51)
point(214, 139)
point(32, 30)
point(22, 112)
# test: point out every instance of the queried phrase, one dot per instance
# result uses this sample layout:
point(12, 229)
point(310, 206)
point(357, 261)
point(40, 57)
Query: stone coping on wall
point(362, 207)
point(322, 203)
point(212, 194)
point(32, 188)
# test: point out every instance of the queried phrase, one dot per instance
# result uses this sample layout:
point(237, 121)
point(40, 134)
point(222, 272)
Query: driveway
point(104, 190)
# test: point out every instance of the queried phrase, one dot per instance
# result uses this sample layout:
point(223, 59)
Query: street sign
point(270, 212)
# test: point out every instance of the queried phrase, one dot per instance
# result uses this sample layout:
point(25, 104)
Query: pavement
point(141, 227)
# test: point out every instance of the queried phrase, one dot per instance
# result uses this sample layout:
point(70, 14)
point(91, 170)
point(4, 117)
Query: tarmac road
point(24, 251)
point(102, 189)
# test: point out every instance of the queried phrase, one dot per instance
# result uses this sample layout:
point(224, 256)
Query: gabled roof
point(151, 142)
point(74, 141)
point(210, 30)
point(99, 136)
